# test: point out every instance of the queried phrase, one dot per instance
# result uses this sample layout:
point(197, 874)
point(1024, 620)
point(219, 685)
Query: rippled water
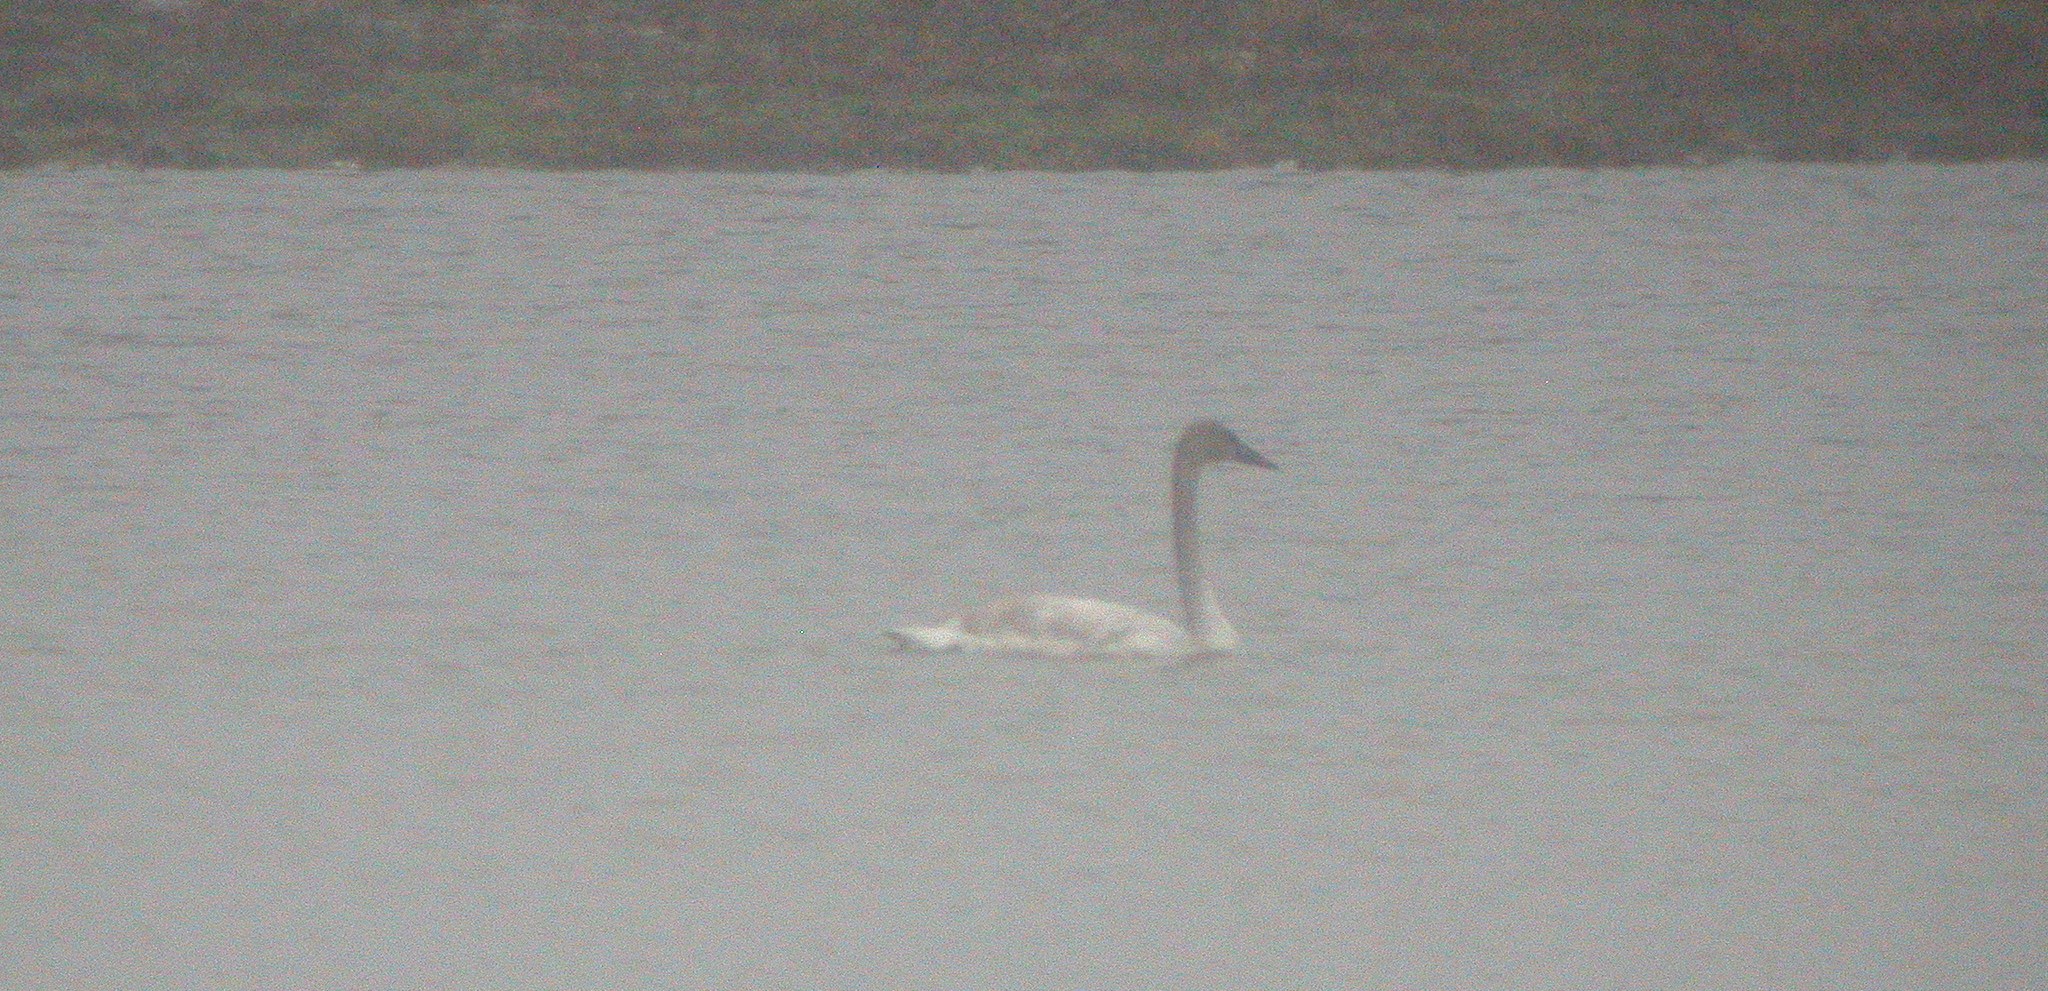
point(471, 579)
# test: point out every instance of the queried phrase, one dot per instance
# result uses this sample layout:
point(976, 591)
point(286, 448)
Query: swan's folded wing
point(1057, 625)
point(930, 639)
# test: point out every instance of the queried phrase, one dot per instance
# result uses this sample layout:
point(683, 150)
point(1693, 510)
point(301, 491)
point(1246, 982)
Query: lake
point(475, 579)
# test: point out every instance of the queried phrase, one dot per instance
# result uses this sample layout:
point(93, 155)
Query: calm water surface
point(471, 579)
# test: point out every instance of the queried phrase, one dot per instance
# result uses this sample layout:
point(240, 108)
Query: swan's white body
point(1063, 626)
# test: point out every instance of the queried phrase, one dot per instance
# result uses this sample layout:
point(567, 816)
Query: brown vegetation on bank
point(954, 84)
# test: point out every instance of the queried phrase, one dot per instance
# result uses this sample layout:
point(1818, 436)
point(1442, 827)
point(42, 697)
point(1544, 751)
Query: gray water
point(472, 579)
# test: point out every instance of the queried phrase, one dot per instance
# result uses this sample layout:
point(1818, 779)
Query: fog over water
point(474, 579)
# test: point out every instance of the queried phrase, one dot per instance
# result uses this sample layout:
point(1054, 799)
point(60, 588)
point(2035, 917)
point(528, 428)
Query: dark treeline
point(1055, 84)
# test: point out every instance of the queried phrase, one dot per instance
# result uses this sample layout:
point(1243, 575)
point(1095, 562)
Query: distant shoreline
point(833, 87)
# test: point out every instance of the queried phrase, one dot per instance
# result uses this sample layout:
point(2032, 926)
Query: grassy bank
point(950, 84)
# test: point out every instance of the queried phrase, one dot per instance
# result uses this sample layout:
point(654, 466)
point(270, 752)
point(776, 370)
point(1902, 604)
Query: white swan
point(1063, 626)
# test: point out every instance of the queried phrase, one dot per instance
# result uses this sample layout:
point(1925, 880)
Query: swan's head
point(1207, 442)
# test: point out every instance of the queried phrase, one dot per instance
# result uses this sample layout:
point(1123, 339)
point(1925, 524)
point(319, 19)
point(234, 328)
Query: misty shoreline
point(814, 86)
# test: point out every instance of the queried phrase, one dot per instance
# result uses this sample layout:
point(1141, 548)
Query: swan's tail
point(925, 639)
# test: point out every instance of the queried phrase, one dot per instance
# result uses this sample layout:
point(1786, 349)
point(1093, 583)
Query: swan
point(1065, 626)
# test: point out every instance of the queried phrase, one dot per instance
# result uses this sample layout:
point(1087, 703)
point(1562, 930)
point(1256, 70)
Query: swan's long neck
point(1205, 619)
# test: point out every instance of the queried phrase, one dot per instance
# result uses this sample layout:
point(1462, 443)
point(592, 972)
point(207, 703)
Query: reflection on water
point(458, 577)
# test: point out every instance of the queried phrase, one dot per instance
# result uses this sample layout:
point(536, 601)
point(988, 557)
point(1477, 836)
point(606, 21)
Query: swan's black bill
point(1242, 453)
